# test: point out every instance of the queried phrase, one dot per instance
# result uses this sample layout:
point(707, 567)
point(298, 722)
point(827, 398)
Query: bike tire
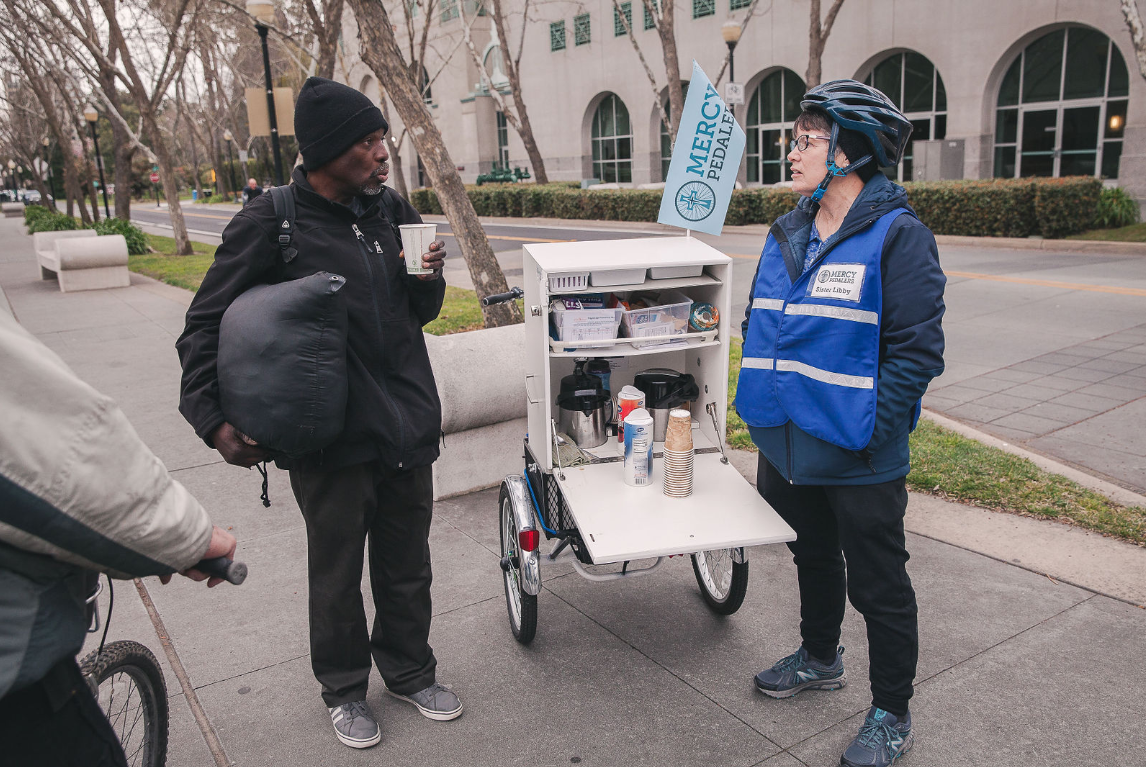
point(128, 684)
point(721, 599)
point(522, 607)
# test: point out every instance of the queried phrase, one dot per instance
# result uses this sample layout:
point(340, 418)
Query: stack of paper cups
point(639, 448)
point(416, 240)
point(678, 455)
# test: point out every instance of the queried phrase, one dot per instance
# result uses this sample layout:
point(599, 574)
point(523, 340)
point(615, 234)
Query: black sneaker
point(799, 671)
point(354, 725)
point(435, 702)
point(882, 739)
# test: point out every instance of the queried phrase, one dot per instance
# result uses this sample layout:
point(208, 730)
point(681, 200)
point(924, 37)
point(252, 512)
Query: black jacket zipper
point(367, 254)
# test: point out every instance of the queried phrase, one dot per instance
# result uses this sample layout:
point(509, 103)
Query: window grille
point(581, 32)
point(618, 24)
point(557, 36)
point(703, 8)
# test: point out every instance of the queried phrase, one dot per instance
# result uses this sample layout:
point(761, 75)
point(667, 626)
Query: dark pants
point(343, 509)
point(56, 721)
point(861, 525)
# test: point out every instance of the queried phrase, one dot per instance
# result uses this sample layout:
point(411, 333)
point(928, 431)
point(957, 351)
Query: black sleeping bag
point(282, 364)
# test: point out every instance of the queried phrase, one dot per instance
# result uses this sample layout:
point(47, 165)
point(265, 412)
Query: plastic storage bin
point(672, 272)
point(669, 318)
point(568, 281)
point(577, 325)
point(602, 278)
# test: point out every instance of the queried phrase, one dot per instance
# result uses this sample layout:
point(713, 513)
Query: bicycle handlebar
point(501, 298)
point(222, 567)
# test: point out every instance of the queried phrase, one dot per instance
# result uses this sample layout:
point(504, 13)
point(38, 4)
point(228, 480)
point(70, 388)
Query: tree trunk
point(1137, 35)
point(93, 196)
point(524, 128)
point(815, 47)
point(395, 153)
point(123, 150)
point(667, 31)
point(170, 185)
point(380, 51)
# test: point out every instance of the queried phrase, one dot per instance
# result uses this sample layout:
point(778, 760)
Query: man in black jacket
point(374, 482)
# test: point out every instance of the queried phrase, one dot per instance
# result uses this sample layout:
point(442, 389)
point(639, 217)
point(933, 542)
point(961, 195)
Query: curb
point(1112, 491)
point(1089, 247)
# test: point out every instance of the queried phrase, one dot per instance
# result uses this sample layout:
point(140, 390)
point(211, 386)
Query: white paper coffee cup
point(416, 241)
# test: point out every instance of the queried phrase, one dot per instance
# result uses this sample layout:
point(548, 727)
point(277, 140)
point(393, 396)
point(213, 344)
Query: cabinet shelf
point(647, 285)
point(623, 347)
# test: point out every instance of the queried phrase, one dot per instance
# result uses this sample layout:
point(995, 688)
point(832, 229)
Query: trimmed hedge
point(1052, 207)
point(48, 221)
point(136, 239)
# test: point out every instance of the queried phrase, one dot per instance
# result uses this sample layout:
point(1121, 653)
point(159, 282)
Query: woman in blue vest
point(842, 334)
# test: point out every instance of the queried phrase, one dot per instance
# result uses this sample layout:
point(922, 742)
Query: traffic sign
point(734, 94)
point(155, 178)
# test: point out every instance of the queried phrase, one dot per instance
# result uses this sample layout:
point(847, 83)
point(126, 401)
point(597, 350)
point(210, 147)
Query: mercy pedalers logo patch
point(695, 201)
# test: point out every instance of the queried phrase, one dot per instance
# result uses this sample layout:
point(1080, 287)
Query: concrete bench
point(12, 209)
point(80, 261)
point(481, 382)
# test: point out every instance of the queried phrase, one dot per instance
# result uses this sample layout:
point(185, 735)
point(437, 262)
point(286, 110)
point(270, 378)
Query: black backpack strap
point(389, 205)
point(283, 197)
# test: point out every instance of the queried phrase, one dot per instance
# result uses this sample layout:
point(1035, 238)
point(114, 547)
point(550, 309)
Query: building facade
point(1038, 88)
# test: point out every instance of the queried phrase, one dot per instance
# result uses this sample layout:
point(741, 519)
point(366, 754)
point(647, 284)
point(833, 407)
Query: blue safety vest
point(812, 351)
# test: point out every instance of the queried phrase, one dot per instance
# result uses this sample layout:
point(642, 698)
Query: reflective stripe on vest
point(812, 351)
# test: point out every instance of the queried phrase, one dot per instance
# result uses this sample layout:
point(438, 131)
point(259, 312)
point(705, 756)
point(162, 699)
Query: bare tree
point(743, 25)
point(379, 49)
point(818, 32)
point(147, 65)
point(325, 26)
point(517, 116)
point(1137, 33)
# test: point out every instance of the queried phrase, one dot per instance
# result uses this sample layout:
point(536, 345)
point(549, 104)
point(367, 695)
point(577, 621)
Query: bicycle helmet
point(854, 106)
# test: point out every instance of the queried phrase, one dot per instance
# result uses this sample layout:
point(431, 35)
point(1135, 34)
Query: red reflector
point(528, 540)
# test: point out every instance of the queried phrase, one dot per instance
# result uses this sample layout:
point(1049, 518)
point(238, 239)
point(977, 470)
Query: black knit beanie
point(329, 117)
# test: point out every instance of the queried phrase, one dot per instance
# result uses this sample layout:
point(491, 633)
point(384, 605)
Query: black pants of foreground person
point(57, 722)
point(391, 509)
point(862, 526)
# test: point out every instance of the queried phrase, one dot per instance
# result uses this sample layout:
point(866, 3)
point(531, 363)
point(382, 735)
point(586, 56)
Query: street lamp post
point(47, 142)
point(264, 13)
point(730, 31)
point(230, 139)
point(91, 115)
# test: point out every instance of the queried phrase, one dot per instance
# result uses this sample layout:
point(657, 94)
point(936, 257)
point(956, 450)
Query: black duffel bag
point(282, 364)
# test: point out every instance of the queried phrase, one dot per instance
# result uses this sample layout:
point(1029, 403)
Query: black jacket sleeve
point(245, 259)
point(911, 333)
point(426, 297)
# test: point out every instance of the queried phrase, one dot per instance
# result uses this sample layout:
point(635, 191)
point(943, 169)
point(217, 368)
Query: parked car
point(32, 197)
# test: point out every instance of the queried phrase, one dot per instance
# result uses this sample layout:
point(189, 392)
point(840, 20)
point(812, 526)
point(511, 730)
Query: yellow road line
point(506, 237)
point(206, 215)
point(1052, 284)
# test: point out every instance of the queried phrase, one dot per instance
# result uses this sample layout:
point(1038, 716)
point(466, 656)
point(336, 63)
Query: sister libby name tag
point(842, 282)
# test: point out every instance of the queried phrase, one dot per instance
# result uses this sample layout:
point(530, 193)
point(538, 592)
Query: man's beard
point(375, 185)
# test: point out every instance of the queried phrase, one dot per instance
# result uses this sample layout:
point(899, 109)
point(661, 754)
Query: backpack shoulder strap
point(389, 206)
point(283, 197)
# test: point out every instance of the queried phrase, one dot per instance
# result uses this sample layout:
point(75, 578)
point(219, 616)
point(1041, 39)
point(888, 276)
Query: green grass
point(958, 468)
point(1132, 233)
point(460, 312)
point(163, 265)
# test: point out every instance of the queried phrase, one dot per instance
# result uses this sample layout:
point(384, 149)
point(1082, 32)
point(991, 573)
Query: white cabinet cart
point(594, 516)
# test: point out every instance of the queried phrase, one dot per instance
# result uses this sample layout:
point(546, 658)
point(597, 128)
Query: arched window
point(612, 142)
point(774, 106)
point(913, 83)
point(1056, 120)
point(666, 145)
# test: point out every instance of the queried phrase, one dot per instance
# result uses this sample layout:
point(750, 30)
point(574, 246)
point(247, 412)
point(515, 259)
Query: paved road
point(1046, 350)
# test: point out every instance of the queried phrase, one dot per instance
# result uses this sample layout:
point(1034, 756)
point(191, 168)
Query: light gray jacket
point(79, 493)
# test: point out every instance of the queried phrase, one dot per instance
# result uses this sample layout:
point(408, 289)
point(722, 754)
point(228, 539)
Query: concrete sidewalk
point(639, 672)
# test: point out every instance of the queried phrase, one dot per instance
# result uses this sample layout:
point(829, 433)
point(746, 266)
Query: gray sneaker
point(435, 702)
point(354, 725)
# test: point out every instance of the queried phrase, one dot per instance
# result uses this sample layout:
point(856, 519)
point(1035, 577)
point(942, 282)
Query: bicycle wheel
point(128, 683)
point(522, 607)
point(722, 580)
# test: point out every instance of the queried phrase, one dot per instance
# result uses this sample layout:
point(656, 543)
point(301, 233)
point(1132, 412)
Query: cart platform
point(619, 522)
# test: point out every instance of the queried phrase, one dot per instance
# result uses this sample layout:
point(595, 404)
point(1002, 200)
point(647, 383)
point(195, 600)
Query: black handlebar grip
point(222, 567)
point(501, 298)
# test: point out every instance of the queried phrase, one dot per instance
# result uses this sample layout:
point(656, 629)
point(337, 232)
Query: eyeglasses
point(802, 142)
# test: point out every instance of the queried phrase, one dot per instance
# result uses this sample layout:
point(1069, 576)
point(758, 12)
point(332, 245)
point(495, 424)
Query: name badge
point(843, 282)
